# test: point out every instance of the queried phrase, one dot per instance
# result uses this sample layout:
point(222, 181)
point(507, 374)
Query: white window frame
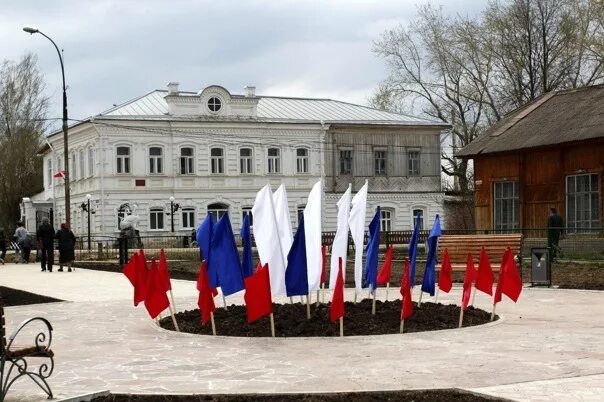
point(414, 157)
point(218, 209)
point(82, 163)
point(217, 164)
point(246, 162)
point(247, 211)
point(186, 163)
point(414, 217)
point(158, 212)
point(386, 219)
point(123, 163)
point(73, 168)
point(302, 161)
point(91, 158)
point(188, 218)
point(574, 221)
point(273, 161)
point(156, 162)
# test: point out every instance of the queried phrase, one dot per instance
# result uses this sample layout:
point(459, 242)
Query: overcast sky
point(115, 50)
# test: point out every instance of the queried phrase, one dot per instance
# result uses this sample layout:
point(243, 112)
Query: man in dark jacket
point(554, 230)
point(46, 236)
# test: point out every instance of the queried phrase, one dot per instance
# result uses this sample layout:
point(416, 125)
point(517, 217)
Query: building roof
point(554, 118)
point(276, 109)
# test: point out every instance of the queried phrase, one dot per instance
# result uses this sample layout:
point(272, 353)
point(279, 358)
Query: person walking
point(46, 238)
point(554, 230)
point(21, 238)
point(66, 247)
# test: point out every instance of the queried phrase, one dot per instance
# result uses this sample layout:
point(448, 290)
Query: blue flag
point(413, 252)
point(247, 266)
point(225, 257)
point(204, 237)
point(373, 248)
point(296, 276)
point(430, 272)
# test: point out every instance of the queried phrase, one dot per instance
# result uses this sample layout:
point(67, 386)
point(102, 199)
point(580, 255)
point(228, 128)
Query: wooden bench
point(14, 360)
point(495, 244)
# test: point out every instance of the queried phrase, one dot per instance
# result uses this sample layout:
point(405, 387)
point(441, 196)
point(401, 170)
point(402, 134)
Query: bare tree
point(23, 108)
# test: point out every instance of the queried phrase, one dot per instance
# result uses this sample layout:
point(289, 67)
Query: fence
point(585, 245)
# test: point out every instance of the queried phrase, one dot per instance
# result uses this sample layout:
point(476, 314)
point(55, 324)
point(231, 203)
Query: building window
point(385, 220)
point(346, 161)
point(188, 218)
point(214, 104)
point(413, 163)
point(123, 159)
point(247, 211)
point(90, 162)
point(274, 160)
point(301, 209)
point(418, 218)
point(59, 164)
point(245, 161)
point(156, 165)
point(73, 171)
point(582, 202)
point(506, 203)
point(301, 160)
point(49, 173)
point(379, 162)
point(156, 219)
point(217, 210)
point(186, 161)
point(217, 157)
point(82, 167)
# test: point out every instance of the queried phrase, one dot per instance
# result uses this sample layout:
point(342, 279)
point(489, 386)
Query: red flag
point(258, 295)
point(156, 300)
point(445, 277)
point(467, 282)
point(384, 276)
point(205, 301)
point(510, 282)
point(164, 272)
point(140, 288)
point(199, 284)
point(59, 174)
point(484, 278)
point(407, 301)
point(130, 269)
point(336, 310)
point(324, 254)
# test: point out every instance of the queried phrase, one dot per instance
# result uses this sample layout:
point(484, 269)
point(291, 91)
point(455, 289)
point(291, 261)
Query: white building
point(212, 151)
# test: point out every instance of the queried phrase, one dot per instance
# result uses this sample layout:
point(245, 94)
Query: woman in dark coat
point(66, 246)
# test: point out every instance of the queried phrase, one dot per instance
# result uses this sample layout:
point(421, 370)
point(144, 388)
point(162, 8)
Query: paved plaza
point(548, 347)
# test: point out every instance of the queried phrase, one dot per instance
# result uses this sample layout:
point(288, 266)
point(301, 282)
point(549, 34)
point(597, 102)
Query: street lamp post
point(32, 31)
point(86, 207)
point(173, 208)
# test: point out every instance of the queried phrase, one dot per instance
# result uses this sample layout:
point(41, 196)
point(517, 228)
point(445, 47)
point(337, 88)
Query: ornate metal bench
point(14, 360)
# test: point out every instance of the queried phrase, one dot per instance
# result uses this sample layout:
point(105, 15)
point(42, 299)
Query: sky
point(116, 50)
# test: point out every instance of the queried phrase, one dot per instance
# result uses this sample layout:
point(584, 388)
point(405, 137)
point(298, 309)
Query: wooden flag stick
point(473, 296)
point(224, 302)
point(461, 317)
point(173, 318)
point(272, 325)
point(318, 297)
point(355, 297)
point(387, 289)
point(419, 303)
point(493, 312)
point(373, 303)
point(308, 307)
point(436, 298)
point(291, 300)
point(172, 299)
point(402, 325)
point(323, 293)
point(341, 326)
point(213, 323)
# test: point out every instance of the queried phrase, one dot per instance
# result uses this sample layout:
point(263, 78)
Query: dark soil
point(436, 395)
point(15, 297)
point(290, 320)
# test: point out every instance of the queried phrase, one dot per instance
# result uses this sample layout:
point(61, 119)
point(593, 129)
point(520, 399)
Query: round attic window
point(214, 104)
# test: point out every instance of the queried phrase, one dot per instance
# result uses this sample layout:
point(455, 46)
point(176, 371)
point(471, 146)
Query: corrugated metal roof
point(554, 118)
point(272, 108)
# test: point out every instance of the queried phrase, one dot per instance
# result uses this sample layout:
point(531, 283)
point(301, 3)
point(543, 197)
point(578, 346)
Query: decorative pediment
point(213, 101)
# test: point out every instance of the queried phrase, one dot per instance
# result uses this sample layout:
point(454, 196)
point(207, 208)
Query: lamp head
point(88, 196)
point(171, 199)
point(30, 30)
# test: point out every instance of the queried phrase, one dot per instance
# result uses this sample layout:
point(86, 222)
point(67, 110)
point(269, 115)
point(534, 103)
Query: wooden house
point(546, 154)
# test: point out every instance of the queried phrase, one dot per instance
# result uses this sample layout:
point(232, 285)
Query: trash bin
point(541, 269)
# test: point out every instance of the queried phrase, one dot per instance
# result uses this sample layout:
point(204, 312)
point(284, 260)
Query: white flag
point(356, 220)
point(312, 232)
point(267, 239)
point(339, 248)
point(284, 223)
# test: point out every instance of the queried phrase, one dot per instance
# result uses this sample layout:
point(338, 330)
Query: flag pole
point(308, 306)
point(373, 303)
point(173, 317)
point(436, 298)
point(172, 299)
point(323, 293)
point(473, 296)
point(419, 303)
point(461, 317)
point(355, 297)
point(224, 302)
point(272, 325)
point(402, 325)
point(493, 312)
point(213, 323)
point(387, 288)
point(341, 326)
point(318, 297)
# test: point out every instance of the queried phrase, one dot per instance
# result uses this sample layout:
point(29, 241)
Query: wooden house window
point(346, 161)
point(379, 158)
point(413, 163)
point(506, 203)
point(582, 202)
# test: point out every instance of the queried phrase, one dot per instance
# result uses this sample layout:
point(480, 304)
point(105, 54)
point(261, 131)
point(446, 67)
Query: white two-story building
point(212, 151)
